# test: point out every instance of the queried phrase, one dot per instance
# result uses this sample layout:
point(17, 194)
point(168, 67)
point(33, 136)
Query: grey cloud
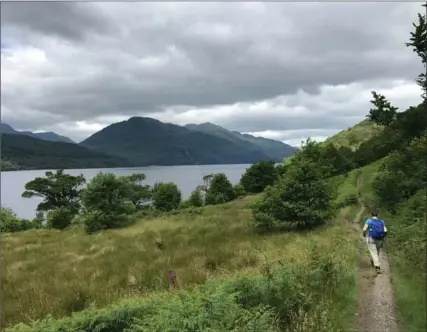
point(145, 57)
point(71, 20)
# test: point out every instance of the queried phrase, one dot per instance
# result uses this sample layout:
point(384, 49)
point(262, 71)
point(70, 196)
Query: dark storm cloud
point(71, 20)
point(142, 58)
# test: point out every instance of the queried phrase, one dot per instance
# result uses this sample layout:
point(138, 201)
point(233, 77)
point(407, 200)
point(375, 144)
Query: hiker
point(377, 233)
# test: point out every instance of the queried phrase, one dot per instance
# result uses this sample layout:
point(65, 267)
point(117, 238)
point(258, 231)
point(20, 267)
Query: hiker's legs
point(372, 247)
point(379, 244)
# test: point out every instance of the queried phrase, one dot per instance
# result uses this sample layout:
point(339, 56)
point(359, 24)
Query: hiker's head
point(374, 214)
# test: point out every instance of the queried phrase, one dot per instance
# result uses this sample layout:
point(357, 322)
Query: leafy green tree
point(239, 190)
point(166, 196)
point(383, 113)
point(140, 193)
point(259, 176)
point(301, 197)
point(196, 198)
point(220, 190)
point(110, 194)
point(402, 174)
point(10, 223)
point(59, 218)
point(57, 190)
point(418, 42)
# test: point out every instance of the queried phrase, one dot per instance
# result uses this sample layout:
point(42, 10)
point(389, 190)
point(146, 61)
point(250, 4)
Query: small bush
point(94, 221)
point(220, 190)
point(239, 190)
point(166, 196)
point(10, 223)
point(59, 218)
point(196, 198)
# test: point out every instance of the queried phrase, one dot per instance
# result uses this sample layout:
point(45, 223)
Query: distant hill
point(146, 141)
point(47, 136)
point(274, 149)
point(354, 136)
point(26, 152)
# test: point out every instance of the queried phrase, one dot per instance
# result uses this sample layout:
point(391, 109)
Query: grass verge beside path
point(43, 271)
point(406, 248)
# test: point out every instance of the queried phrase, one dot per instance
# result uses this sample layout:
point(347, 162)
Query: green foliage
point(419, 45)
point(220, 190)
point(57, 190)
point(24, 152)
point(96, 220)
point(110, 194)
point(384, 114)
point(140, 194)
point(302, 196)
point(10, 223)
point(259, 176)
point(402, 174)
point(239, 190)
point(196, 198)
point(60, 218)
point(166, 196)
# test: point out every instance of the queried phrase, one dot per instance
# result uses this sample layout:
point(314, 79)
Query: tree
point(196, 198)
point(220, 190)
point(140, 194)
point(166, 196)
point(259, 176)
point(10, 223)
point(383, 113)
point(59, 218)
point(418, 42)
point(57, 190)
point(402, 174)
point(239, 190)
point(110, 194)
point(301, 197)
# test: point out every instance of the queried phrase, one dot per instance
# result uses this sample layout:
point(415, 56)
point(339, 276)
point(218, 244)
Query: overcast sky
point(280, 70)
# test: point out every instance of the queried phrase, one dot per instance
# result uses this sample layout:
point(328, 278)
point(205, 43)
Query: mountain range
point(47, 136)
point(138, 141)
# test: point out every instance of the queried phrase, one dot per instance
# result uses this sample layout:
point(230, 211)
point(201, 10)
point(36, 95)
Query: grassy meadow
point(48, 272)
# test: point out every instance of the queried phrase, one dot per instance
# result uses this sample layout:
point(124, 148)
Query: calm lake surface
point(187, 178)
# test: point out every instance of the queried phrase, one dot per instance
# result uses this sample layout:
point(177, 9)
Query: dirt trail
point(376, 308)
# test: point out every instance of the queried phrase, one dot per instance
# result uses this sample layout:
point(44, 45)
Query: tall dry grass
point(47, 272)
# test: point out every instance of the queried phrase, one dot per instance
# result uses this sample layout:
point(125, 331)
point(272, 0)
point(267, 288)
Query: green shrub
point(10, 223)
point(196, 198)
point(239, 190)
point(220, 190)
point(59, 218)
point(166, 196)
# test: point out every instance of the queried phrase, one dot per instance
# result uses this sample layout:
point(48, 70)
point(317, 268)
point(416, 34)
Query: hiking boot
point(377, 269)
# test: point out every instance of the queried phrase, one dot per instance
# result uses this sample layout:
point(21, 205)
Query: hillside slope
point(145, 141)
point(276, 150)
point(47, 136)
point(25, 152)
point(354, 136)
